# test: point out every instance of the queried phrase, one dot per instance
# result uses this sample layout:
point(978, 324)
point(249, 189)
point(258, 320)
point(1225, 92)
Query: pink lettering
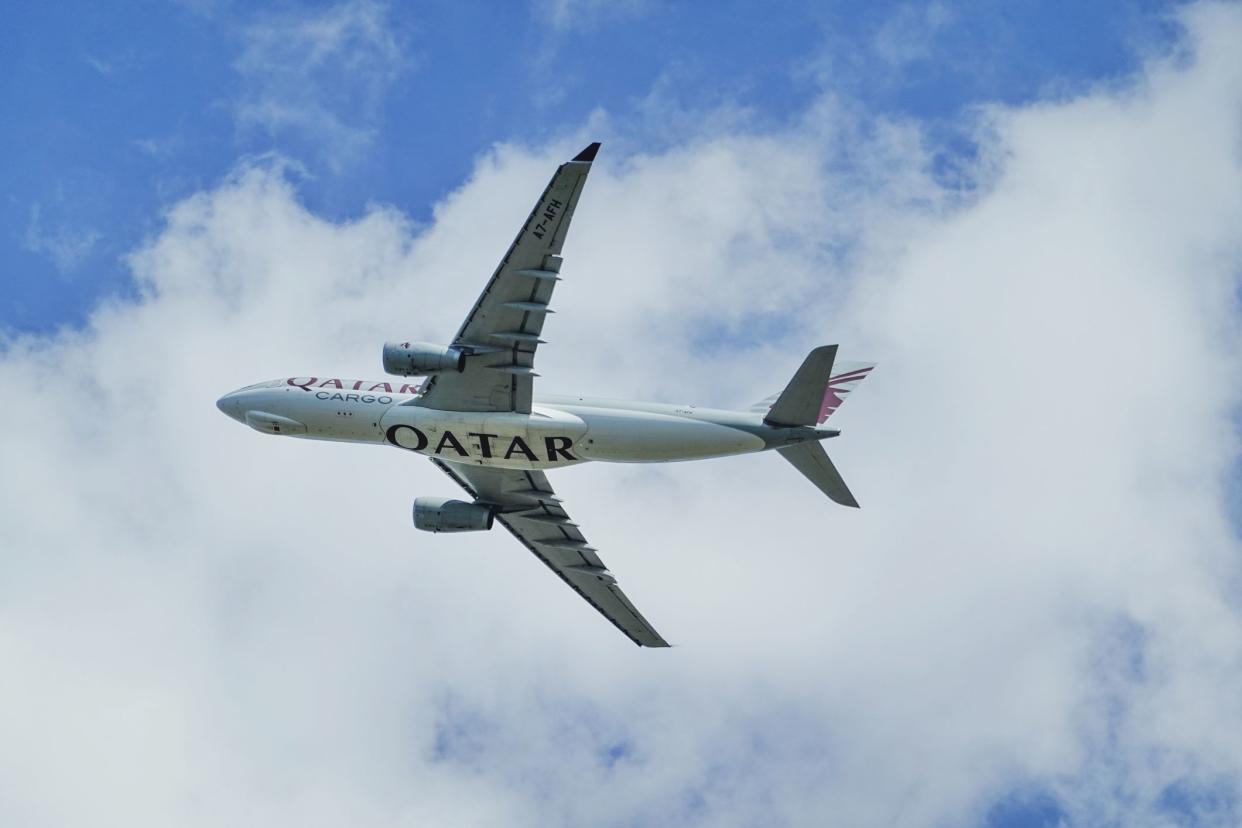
point(305, 386)
point(335, 383)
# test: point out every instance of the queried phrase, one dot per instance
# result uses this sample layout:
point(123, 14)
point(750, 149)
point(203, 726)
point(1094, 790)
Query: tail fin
point(818, 388)
point(813, 462)
point(845, 378)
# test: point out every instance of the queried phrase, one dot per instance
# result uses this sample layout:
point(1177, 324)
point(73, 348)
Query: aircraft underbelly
point(545, 439)
point(622, 436)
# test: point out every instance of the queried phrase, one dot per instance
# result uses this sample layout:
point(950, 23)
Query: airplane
point(477, 418)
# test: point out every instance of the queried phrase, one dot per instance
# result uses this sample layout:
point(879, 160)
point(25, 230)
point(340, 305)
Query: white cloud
point(568, 15)
point(103, 67)
point(64, 245)
point(909, 33)
point(201, 625)
point(320, 76)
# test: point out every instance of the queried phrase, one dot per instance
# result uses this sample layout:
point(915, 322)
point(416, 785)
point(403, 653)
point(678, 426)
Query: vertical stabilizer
point(845, 378)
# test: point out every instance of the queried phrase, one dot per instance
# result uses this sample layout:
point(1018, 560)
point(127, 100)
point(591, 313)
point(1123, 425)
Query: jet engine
point(421, 359)
point(439, 514)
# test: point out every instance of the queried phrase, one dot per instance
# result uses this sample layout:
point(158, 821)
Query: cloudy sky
point(1029, 213)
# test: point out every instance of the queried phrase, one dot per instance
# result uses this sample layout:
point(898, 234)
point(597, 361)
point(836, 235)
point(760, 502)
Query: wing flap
point(532, 513)
point(502, 331)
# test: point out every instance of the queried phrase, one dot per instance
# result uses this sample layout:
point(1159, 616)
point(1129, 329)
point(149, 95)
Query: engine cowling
point(421, 359)
point(440, 514)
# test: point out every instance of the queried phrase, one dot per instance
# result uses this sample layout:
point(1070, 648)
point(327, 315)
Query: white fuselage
point(559, 431)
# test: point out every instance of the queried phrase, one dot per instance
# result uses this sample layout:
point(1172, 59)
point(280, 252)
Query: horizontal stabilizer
point(813, 462)
point(799, 403)
point(845, 378)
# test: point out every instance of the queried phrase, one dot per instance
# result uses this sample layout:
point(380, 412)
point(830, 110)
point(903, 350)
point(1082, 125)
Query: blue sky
point(1012, 633)
point(119, 110)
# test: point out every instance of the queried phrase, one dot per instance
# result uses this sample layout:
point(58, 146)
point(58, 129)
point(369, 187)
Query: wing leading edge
point(530, 510)
point(501, 333)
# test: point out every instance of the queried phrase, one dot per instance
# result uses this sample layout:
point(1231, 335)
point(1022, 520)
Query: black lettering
point(367, 398)
point(485, 443)
point(550, 443)
point(518, 444)
point(322, 395)
point(391, 436)
point(449, 440)
point(338, 396)
point(383, 400)
point(351, 398)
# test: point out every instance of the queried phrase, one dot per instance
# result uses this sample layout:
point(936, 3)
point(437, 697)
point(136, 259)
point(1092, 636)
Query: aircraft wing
point(502, 330)
point(532, 512)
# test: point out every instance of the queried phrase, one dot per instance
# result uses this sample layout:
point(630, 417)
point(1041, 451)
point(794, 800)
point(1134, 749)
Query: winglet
point(588, 154)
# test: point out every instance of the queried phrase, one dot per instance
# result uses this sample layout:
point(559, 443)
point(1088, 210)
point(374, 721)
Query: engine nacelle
point(421, 359)
point(440, 514)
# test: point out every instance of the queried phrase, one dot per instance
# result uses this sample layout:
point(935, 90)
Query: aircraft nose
point(230, 405)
